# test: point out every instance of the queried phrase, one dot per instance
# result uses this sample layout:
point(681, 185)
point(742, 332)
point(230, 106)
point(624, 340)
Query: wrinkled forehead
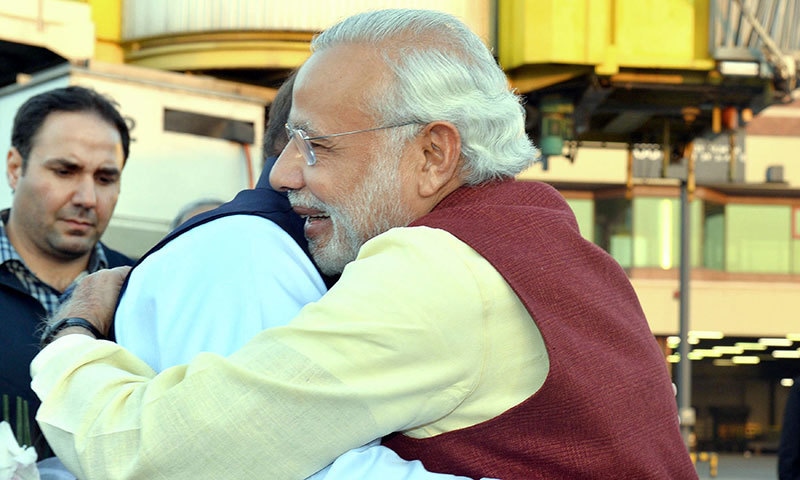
point(337, 86)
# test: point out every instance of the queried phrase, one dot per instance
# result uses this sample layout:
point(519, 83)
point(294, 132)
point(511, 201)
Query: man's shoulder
point(115, 258)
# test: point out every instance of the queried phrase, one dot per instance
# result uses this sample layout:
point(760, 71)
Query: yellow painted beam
point(610, 35)
point(553, 31)
point(221, 50)
point(107, 18)
point(220, 56)
point(530, 78)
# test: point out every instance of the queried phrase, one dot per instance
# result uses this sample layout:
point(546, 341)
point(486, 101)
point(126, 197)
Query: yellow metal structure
point(628, 69)
point(550, 38)
point(647, 71)
point(267, 50)
point(107, 17)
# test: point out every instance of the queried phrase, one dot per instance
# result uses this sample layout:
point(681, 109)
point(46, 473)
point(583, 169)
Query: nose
point(85, 194)
point(287, 172)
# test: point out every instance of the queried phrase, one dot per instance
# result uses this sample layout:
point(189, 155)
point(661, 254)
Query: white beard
point(372, 208)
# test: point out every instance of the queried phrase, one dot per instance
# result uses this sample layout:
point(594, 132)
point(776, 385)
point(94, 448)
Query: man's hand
point(94, 299)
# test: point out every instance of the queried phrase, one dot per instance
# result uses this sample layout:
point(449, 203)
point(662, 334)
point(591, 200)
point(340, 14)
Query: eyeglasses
point(303, 141)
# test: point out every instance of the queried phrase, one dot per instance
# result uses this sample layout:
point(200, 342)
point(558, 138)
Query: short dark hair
point(32, 114)
point(275, 138)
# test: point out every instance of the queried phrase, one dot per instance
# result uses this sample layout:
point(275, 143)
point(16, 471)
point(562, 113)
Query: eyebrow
point(71, 165)
point(62, 162)
point(305, 126)
point(112, 171)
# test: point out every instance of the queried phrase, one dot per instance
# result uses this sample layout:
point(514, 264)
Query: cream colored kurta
point(420, 335)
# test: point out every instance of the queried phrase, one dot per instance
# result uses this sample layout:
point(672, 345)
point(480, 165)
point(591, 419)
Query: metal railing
point(764, 32)
point(738, 28)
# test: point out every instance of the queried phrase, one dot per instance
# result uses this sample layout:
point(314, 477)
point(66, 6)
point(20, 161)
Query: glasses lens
point(302, 144)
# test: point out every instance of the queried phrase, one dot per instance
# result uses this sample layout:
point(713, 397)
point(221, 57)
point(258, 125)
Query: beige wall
point(735, 308)
point(593, 165)
point(773, 138)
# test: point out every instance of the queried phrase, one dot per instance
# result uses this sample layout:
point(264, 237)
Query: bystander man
point(68, 147)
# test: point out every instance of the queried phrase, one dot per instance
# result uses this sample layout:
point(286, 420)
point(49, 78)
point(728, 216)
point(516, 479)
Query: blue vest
point(262, 201)
point(22, 317)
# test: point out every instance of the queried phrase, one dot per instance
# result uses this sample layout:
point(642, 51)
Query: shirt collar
point(98, 260)
point(7, 251)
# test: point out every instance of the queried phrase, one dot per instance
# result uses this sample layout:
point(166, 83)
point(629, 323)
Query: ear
point(442, 158)
point(13, 167)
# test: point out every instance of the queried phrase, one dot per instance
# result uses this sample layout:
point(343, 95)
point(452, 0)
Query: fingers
point(115, 276)
point(95, 298)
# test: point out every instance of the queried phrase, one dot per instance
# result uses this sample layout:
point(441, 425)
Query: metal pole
point(684, 377)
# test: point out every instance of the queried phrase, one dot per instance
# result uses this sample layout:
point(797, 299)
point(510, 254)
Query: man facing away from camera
point(472, 324)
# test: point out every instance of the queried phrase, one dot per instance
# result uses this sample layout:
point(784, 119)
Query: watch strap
point(52, 329)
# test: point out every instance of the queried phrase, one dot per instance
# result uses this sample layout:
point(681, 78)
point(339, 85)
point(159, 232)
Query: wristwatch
point(52, 329)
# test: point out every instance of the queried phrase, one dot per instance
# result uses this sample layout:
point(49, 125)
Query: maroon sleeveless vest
point(606, 409)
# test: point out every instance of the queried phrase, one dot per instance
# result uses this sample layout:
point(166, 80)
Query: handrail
point(774, 54)
point(766, 32)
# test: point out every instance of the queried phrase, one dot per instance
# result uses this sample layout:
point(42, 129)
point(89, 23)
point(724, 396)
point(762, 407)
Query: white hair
point(442, 71)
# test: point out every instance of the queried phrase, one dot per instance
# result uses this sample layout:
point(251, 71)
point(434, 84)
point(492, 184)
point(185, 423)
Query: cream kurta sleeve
point(399, 343)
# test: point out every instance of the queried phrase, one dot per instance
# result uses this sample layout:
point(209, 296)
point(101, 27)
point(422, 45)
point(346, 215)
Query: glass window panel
point(713, 236)
point(584, 213)
point(656, 224)
point(796, 222)
point(612, 229)
point(795, 266)
point(758, 238)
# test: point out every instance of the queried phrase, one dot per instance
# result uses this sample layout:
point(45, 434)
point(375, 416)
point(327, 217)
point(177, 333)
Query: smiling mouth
point(315, 224)
point(316, 221)
point(309, 214)
point(318, 216)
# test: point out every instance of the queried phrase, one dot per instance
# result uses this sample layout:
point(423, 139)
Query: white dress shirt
point(214, 288)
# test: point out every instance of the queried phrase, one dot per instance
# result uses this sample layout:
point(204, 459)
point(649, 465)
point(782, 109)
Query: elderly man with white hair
point(472, 327)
